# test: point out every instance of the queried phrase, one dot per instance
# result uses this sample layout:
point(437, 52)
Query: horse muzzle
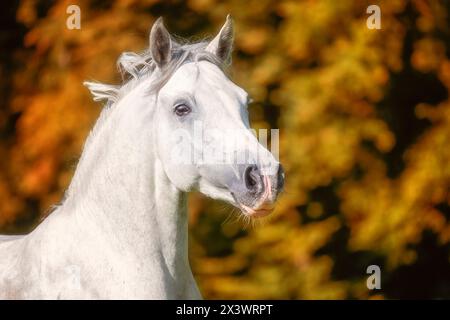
point(257, 192)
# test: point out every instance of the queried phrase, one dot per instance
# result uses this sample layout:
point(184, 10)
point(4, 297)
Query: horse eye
point(182, 110)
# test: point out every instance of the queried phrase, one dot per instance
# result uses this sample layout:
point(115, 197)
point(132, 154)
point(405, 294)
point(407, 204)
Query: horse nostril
point(251, 178)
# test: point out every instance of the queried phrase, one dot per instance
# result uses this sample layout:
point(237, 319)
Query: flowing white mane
point(135, 67)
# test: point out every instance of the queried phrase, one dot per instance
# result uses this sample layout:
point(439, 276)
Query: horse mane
point(134, 67)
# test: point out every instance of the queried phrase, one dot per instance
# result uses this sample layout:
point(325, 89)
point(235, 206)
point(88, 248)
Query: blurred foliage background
point(364, 118)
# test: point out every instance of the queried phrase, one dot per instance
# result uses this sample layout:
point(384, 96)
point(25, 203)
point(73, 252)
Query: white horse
point(121, 231)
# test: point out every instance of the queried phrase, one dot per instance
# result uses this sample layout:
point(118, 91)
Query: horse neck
point(121, 189)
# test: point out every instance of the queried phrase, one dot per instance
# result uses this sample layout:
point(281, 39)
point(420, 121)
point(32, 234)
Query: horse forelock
point(134, 67)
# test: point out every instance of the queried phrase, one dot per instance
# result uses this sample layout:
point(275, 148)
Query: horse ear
point(160, 43)
point(222, 44)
